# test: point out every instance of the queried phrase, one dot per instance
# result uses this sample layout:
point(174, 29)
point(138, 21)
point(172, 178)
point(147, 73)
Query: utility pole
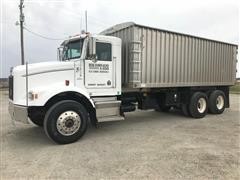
point(21, 19)
point(86, 19)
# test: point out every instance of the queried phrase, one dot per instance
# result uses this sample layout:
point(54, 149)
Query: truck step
point(106, 104)
point(110, 118)
point(104, 99)
point(108, 109)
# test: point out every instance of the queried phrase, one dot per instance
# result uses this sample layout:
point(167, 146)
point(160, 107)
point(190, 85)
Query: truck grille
point(10, 83)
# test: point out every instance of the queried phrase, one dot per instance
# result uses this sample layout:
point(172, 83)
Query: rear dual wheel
point(217, 102)
point(198, 105)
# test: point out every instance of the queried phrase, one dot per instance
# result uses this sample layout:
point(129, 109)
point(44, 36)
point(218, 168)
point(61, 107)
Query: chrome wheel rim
point(201, 105)
point(68, 123)
point(220, 102)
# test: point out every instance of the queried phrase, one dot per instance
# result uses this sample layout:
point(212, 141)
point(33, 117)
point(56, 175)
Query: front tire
point(217, 102)
point(66, 122)
point(198, 105)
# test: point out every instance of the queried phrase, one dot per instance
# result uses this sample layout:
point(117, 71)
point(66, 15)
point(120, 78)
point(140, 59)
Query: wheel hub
point(220, 102)
point(68, 123)
point(202, 105)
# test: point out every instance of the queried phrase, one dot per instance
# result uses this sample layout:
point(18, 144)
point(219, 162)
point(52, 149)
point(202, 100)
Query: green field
point(235, 89)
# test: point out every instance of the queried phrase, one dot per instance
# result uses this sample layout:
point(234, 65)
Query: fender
point(45, 93)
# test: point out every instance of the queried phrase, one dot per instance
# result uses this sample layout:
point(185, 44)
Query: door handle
point(94, 60)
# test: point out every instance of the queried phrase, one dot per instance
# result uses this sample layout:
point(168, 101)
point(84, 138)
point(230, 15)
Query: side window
point(104, 51)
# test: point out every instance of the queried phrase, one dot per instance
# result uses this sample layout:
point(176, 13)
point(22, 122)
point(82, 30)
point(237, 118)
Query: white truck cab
point(88, 76)
point(97, 64)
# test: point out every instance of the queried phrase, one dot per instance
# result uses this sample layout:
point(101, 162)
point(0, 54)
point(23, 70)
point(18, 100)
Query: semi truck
point(126, 67)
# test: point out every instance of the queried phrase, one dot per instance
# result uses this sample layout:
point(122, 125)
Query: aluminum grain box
point(153, 58)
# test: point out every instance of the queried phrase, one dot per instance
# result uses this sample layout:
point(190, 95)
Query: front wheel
point(66, 122)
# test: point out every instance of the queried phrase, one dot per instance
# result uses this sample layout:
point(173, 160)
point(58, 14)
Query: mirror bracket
point(92, 48)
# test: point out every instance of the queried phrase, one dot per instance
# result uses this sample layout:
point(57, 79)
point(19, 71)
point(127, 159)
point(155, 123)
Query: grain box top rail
point(125, 25)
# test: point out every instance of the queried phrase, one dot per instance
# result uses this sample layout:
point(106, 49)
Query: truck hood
point(43, 67)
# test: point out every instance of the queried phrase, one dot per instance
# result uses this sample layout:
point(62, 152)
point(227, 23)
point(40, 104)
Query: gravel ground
point(147, 145)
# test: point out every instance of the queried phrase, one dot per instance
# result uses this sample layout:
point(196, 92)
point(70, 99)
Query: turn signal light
point(67, 82)
point(32, 95)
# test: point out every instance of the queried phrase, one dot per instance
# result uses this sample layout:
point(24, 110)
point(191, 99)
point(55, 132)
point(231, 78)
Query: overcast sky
point(214, 19)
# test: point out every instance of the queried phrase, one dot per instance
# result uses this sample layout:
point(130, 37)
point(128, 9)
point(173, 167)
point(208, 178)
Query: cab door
point(99, 72)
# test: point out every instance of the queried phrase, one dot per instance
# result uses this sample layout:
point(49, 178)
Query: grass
point(235, 89)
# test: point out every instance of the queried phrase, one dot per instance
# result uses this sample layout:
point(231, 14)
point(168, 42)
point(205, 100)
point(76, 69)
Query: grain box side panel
point(144, 56)
point(234, 70)
point(154, 57)
point(175, 60)
point(227, 64)
point(126, 35)
point(162, 56)
point(181, 72)
point(149, 56)
point(158, 57)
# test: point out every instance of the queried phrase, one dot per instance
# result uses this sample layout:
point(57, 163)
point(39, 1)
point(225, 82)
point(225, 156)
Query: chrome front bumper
point(18, 113)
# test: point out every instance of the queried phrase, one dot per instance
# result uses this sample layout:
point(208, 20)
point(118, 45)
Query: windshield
point(72, 49)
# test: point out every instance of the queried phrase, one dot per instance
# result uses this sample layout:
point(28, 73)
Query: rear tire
point(217, 102)
point(185, 109)
point(164, 108)
point(198, 105)
point(66, 122)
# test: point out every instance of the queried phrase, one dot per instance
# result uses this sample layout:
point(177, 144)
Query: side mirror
point(91, 48)
point(60, 53)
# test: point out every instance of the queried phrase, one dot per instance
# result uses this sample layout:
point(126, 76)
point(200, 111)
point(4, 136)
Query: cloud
point(212, 19)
